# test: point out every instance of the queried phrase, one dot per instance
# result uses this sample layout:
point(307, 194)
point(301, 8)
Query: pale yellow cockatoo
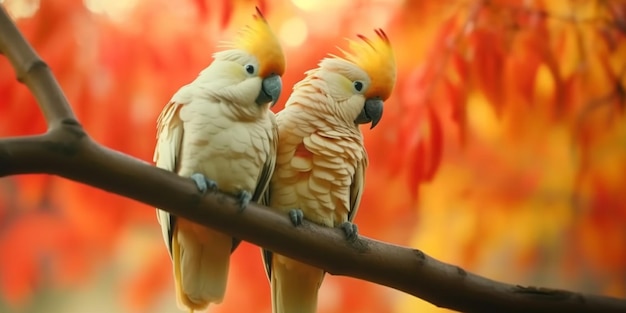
point(218, 130)
point(321, 160)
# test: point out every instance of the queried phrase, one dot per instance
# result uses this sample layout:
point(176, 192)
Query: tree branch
point(67, 151)
point(32, 71)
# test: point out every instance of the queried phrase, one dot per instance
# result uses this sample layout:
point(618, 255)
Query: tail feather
point(294, 286)
point(201, 260)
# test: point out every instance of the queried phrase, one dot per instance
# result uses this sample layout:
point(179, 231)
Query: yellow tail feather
point(201, 259)
point(294, 286)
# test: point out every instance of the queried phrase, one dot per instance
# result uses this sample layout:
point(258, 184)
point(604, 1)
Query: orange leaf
point(520, 68)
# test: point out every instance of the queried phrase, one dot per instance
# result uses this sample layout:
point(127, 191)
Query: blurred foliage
point(502, 150)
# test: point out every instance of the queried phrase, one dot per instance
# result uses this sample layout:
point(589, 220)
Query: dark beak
point(372, 112)
point(270, 90)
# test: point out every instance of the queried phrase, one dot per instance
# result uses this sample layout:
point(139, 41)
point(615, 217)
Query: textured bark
point(66, 150)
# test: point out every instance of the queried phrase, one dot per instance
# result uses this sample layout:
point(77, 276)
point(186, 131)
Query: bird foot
point(204, 184)
point(243, 199)
point(296, 216)
point(351, 230)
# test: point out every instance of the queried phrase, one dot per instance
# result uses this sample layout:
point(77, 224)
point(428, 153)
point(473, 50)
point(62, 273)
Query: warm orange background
point(502, 149)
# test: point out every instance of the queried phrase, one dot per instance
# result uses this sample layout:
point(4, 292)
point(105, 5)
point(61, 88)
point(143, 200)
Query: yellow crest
point(376, 58)
point(259, 40)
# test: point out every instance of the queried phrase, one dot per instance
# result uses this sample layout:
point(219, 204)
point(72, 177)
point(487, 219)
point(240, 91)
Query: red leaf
point(446, 33)
point(460, 66)
point(436, 145)
point(227, 13)
point(455, 97)
point(486, 47)
point(520, 68)
point(416, 168)
point(202, 8)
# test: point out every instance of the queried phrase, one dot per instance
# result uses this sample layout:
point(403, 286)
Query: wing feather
point(266, 195)
point(356, 189)
point(169, 140)
point(261, 193)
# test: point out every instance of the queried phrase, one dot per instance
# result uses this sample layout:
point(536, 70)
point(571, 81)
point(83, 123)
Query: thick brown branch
point(67, 151)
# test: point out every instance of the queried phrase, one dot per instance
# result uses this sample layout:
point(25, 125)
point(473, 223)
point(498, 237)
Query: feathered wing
point(264, 189)
point(261, 193)
point(356, 189)
point(169, 140)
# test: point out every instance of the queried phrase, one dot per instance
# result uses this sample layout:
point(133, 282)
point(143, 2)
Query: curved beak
point(372, 112)
point(270, 90)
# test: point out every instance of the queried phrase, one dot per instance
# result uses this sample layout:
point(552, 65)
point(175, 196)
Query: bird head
point(249, 71)
point(362, 79)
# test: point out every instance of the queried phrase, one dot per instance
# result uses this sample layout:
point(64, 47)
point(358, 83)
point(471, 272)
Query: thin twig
point(34, 73)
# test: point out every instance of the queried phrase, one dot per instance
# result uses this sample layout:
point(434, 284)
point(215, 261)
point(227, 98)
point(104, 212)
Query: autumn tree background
point(502, 149)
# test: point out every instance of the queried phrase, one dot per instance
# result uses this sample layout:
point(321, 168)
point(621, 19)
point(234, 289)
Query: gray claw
point(204, 184)
point(296, 216)
point(350, 230)
point(243, 198)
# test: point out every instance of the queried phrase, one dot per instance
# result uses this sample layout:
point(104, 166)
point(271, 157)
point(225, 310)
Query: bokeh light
point(293, 32)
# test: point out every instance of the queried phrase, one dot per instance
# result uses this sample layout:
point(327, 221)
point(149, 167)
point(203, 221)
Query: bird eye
point(249, 68)
point(358, 85)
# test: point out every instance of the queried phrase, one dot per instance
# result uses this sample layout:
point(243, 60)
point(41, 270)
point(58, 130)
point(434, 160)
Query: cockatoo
point(321, 159)
point(218, 130)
